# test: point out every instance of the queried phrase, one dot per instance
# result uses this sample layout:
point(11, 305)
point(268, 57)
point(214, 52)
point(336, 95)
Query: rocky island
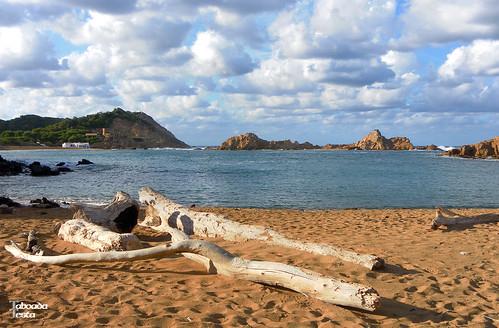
point(116, 129)
point(250, 141)
point(373, 141)
point(376, 141)
point(484, 149)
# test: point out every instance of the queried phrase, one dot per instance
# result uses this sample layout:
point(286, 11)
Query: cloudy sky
point(327, 71)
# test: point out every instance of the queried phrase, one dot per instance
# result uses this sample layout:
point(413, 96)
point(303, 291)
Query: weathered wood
point(178, 235)
point(449, 218)
point(119, 216)
point(33, 243)
point(277, 274)
point(168, 213)
point(96, 237)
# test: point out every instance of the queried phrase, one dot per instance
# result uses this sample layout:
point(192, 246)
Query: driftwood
point(96, 237)
point(33, 243)
point(449, 218)
point(177, 235)
point(119, 216)
point(277, 274)
point(166, 213)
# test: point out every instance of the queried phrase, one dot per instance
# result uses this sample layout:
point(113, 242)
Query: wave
point(64, 202)
point(185, 149)
point(446, 148)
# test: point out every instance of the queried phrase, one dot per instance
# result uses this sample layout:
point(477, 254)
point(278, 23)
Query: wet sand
point(447, 277)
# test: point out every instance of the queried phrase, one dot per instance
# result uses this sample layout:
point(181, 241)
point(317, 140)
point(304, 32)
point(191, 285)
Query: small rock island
point(250, 141)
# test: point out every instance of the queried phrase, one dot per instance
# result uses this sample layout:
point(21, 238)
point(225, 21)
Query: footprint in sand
point(70, 315)
point(102, 320)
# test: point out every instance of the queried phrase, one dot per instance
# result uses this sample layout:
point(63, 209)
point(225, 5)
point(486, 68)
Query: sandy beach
point(441, 278)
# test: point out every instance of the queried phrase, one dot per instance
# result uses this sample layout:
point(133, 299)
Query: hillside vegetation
point(33, 129)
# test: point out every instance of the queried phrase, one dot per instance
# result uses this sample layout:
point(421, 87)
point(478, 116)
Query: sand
point(433, 278)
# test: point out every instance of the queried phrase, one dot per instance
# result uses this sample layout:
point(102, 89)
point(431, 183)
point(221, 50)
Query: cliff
point(483, 149)
point(115, 129)
point(376, 141)
point(250, 141)
point(138, 131)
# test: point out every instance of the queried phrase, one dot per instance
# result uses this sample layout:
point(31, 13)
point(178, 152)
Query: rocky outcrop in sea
point(376, 141)
point(373, 141)
point(36, 168)
point(250, 141)
point(10, 167)
point(484, 149)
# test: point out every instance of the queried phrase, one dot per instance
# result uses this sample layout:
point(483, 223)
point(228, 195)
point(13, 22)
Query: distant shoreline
point(4, 148)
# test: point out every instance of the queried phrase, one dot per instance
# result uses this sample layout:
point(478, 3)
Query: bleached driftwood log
point(119, 216)
point(449, 218)
point(96, 237)
point(277, 274)
point(169, 213)
point(177, 235)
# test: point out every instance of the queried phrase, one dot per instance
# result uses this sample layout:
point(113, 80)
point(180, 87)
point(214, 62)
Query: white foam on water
point(446, 148)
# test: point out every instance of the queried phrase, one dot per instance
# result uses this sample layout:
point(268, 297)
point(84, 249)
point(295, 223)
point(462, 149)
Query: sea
point(309, 179)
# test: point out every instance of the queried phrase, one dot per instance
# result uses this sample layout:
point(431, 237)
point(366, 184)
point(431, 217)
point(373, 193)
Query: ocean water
point(265, 179)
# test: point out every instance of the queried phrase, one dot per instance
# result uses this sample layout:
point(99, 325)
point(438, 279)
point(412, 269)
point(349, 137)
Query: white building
point(79, 145)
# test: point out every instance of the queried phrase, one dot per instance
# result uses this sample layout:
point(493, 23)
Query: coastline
point(432, 278)
point(8, 148)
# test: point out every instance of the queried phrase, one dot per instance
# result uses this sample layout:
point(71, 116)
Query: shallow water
point(268, 179)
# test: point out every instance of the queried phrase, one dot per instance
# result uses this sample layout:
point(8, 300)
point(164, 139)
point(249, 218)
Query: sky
point(324, 71)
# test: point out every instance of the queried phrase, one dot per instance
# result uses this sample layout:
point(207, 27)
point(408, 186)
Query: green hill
point(27, 123)
point(123, 129)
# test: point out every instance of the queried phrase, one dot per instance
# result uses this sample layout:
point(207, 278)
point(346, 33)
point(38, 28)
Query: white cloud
point(381, 97)
point(400, 62)
point(277, 76)
point(336, 29)
point(468, 97)
point(142, 32)
point(215, 55)
point(429, 21)
point(25, 48)
point(480, 58)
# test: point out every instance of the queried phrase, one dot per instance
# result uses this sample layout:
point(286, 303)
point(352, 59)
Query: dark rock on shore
point(64, 169)
point(38, 170)
point(250, 141)
point(43, 203)
point(84, 162)
point(35, 169)
point(10, 167)
point(484, 149)
point(9, 202)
